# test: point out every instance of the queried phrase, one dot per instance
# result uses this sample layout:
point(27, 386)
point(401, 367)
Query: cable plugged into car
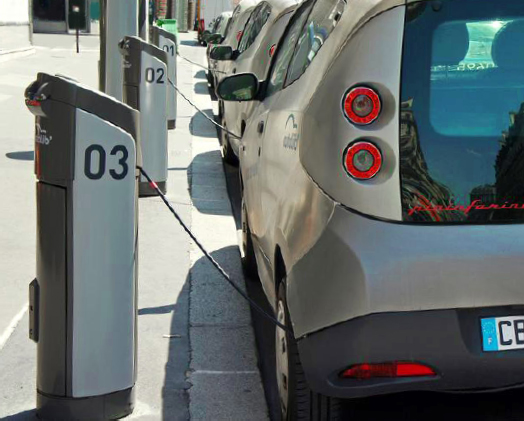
point(388, 370)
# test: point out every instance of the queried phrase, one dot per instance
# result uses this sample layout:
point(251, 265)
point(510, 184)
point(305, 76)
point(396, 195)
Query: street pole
point(77, 40)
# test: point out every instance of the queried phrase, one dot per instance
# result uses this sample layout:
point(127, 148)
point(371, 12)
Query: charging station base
point(112, 406)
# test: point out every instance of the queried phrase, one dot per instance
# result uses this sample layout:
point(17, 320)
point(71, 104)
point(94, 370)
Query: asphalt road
point(414, 406)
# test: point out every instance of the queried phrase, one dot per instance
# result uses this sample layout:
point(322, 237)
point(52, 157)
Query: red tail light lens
point(272, 50)
point(239, 35)
point(362, 160)
point(362, 105)
point(389, 370)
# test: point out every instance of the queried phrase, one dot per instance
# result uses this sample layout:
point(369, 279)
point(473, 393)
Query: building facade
point(15, 25)
point(52, 16)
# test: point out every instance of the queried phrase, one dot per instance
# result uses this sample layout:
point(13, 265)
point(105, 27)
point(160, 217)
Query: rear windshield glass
point(462, 112)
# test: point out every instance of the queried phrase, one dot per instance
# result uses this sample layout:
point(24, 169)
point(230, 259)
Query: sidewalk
point(197, 356)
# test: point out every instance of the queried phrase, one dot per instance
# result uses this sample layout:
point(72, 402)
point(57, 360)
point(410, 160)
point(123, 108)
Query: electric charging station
point(83, 303)
point(167, 41)
point(118, 18)
point(145, 89)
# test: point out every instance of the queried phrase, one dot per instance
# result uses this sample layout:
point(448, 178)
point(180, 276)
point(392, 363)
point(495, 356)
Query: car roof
point(246, 4)
point(279, 6)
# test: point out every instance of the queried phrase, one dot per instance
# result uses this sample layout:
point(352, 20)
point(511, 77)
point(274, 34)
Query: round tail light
point(362, 105)
point(362, 160)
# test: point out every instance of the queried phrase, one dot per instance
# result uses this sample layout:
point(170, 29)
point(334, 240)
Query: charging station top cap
point(40, 94)
point(157, 31)
point(135, 43)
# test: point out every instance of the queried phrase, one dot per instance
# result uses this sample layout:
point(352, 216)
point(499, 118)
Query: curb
point(18, 53)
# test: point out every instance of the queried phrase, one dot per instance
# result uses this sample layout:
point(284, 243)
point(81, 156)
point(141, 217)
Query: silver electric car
point(383, 198)
point(262, 32)
point(241, 13)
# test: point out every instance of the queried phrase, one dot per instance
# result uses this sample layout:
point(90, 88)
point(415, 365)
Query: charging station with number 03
point(145, 89)
point(167, 41)
point(83, 303)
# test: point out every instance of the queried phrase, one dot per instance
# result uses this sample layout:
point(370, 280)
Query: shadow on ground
point(189, 43)
point(201, 88)
point(201, 127)
point(21, 156)
point(201, 74)
point(22, 416)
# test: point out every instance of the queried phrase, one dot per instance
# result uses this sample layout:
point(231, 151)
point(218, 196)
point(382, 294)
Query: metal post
point(120, 19)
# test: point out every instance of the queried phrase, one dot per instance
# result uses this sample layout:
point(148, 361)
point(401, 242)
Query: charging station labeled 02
point(155, 75)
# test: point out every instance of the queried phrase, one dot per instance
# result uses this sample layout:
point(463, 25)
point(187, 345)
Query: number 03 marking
point(97, 153)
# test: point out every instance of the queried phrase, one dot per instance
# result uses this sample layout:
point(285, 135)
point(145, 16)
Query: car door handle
point(260, 127)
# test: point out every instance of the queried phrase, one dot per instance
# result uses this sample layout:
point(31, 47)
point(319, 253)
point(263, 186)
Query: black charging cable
point(200, 65)
point(224, 274)
point(203, 113)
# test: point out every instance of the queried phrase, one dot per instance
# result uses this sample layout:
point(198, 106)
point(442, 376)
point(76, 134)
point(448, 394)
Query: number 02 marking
point(97, 153)
point(153, 76)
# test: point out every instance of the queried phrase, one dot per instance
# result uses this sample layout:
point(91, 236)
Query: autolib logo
point(41, 136)
point(291, 139)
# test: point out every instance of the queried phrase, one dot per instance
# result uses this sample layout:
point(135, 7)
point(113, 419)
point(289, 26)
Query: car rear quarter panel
point(370, 57)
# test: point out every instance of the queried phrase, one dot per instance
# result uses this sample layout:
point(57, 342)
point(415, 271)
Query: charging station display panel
point(104, 257)
point(169, 46)
point(153, 99)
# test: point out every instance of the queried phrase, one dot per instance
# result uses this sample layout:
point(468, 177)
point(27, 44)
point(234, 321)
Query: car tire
point(225, 147)
point(297, 400)
point(249, 261)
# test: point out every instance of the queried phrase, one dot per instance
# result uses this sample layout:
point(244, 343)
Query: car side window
point(253, 27)
point(324, 16)
point(286, 48)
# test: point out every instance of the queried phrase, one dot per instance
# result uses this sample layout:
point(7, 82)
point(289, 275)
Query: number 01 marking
point(97, 153)
point(169, 49)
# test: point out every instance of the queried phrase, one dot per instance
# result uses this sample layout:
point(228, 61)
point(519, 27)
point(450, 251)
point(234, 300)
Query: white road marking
point(4, 97)
point(12, 326)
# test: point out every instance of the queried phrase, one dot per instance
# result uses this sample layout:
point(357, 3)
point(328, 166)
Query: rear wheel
point(297, 400)
point(249, 261)
point(225, 147)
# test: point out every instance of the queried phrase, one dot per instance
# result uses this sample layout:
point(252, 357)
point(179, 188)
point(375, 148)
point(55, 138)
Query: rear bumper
point(449, 341)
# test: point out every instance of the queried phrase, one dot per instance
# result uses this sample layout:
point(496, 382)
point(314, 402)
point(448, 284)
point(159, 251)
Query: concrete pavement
point(197, 356)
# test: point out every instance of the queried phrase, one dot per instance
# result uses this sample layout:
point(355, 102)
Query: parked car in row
point(219, 68)
point(262, 32)
point(217, 30)
point(383, 196)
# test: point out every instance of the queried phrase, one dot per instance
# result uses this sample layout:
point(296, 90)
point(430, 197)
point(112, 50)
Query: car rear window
point(462, 112)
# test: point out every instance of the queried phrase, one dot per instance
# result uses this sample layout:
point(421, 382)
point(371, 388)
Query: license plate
point(502, 333)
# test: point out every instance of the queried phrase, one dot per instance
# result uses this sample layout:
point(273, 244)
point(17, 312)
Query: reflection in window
point(323, 18)
point(462, 117)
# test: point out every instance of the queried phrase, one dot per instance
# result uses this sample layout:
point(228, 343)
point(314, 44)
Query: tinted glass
point(285, 50)
point(322, 20)
point(255, 24)
point(462, 116)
